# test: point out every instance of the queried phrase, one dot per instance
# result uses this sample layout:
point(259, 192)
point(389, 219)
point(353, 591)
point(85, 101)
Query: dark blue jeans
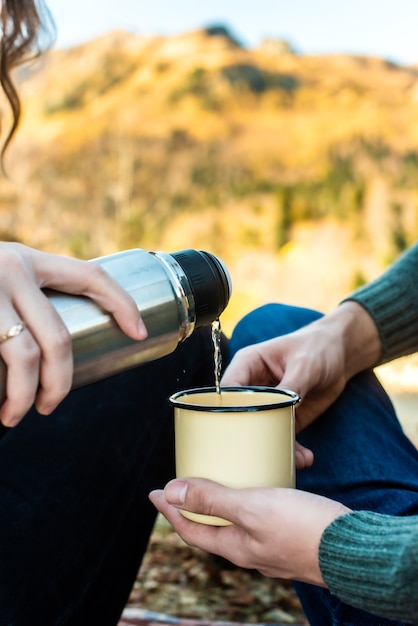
point(362, 457)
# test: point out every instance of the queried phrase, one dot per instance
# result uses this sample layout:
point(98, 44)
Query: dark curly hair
point(27, 30)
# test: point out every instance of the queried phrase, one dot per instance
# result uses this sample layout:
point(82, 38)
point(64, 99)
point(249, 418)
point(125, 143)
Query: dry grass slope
point(299, 171)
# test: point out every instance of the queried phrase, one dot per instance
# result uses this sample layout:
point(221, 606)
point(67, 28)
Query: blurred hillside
point(300, 172)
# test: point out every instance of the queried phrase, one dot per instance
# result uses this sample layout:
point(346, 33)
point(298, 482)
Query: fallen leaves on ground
point(185, 582)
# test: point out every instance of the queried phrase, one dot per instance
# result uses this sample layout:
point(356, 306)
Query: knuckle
point(206, 504)
point(31, 355)
point(55, 344)
point(11, 260)
point(54, 393)
point(61, 340)
point(94, 272)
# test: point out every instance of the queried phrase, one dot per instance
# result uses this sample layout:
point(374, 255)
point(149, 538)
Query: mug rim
point(293, 399)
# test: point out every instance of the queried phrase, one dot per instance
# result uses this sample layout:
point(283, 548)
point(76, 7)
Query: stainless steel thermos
point(175, 294)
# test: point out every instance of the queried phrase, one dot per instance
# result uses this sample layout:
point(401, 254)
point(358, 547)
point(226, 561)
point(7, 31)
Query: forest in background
point(299, 171)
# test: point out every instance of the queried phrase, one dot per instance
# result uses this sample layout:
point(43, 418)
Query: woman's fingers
point(55, 371)
point(21, 355)
point(39, 362)
point(89, 278)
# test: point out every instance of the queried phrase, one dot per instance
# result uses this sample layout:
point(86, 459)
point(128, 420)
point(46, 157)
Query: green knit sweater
point(370, 560)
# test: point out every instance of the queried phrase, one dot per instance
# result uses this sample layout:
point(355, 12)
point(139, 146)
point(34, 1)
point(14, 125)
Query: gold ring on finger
point(13, 331)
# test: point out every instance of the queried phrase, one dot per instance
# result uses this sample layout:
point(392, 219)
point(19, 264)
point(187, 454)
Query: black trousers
point(74, 512)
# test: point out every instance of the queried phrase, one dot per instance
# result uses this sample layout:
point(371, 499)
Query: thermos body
point(175, 293)
point(99, 347)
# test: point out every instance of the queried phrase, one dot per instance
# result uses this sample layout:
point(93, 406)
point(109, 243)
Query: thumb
point(199, 495)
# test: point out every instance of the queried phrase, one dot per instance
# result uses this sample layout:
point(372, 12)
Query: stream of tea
point(217, 355)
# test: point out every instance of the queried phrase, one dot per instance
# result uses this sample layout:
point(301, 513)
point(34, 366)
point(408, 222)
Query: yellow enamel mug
point(242, 437)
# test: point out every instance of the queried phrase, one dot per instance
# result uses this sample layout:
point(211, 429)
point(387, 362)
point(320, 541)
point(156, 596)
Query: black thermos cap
point(209, 282)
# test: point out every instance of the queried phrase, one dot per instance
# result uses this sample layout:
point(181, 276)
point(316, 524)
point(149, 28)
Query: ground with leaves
point(181, 581)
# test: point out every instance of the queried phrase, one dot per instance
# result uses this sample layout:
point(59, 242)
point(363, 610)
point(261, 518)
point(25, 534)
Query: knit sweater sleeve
point(392, 301)
point(370, 561)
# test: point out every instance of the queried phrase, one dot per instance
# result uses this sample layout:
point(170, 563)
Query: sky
point(384, 28)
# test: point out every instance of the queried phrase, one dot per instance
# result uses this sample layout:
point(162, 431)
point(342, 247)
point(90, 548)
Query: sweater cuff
point(370, 561)
point(395, 317)
point(392, 302)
